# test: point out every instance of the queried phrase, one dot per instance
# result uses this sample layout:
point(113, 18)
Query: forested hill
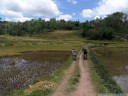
point(112, 26)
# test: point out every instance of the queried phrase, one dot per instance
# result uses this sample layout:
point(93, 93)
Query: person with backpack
point(84, 52)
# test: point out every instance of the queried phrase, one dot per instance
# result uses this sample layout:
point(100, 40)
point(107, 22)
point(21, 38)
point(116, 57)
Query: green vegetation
point(54, 41)
point(41, 35)
point(97, 81)
point(104, 74)
point(45, 92)
point(57, 41)
point(114, 26)
point(39, 26)
point(17, 93)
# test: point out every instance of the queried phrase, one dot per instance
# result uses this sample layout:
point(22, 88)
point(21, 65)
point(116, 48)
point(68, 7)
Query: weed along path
point(63, 85)
point(85, 86)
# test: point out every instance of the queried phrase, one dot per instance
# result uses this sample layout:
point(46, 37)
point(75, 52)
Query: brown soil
point(62, 86)
point(85, 86)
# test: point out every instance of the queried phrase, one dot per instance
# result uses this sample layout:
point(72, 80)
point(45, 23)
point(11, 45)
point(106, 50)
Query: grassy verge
point(45, 92)
point(97, 81)
point(103, 79)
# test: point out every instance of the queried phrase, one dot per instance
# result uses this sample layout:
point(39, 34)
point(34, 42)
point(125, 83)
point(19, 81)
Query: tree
point(116, 21)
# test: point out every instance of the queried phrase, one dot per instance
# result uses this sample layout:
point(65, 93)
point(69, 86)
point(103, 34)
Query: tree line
point(36, 26)
point(112, 26)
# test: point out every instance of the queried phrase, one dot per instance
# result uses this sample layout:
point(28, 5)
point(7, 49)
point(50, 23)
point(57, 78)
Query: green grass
point(63, 40)
point(60, 35)
point(45, 92)
point(12, 50)
point(17, 93)
point(97, 81)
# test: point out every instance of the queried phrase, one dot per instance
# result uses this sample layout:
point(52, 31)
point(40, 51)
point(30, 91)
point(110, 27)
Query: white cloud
point(106, 7)
point(22, 19)
point(72, 1)
point(47, 19)
point(66, 17)
point(97, 17)
point(87, 13)
point(11, 13)
point(7, 19)
point(21, 8)
point(14, 16)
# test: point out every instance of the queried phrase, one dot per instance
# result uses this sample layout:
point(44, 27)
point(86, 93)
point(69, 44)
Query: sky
point(82, 10)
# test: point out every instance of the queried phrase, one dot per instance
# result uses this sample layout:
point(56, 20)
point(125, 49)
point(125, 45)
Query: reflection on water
point(116, 60)
point(19, 71)
point(122, 81)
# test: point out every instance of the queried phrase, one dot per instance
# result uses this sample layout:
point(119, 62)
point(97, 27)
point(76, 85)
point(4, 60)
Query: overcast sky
point(82, 10)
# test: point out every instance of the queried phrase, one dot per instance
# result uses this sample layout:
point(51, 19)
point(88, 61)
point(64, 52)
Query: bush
point(102, 33)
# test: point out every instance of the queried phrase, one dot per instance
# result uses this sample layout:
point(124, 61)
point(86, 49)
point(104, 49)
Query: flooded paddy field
point(116, 60)
point(19, 71)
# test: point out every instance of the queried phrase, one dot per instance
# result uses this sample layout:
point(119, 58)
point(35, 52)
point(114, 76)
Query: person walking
point(74, 54)
point(84, 52)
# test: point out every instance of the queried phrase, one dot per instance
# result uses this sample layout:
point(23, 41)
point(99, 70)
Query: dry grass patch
point(39, 86)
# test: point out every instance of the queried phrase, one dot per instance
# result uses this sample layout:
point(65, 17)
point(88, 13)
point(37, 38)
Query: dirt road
point(85, 86)
point(63, 85)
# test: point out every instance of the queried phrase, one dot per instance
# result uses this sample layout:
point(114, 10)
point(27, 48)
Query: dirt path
point(85, 86)
point(63, 85)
